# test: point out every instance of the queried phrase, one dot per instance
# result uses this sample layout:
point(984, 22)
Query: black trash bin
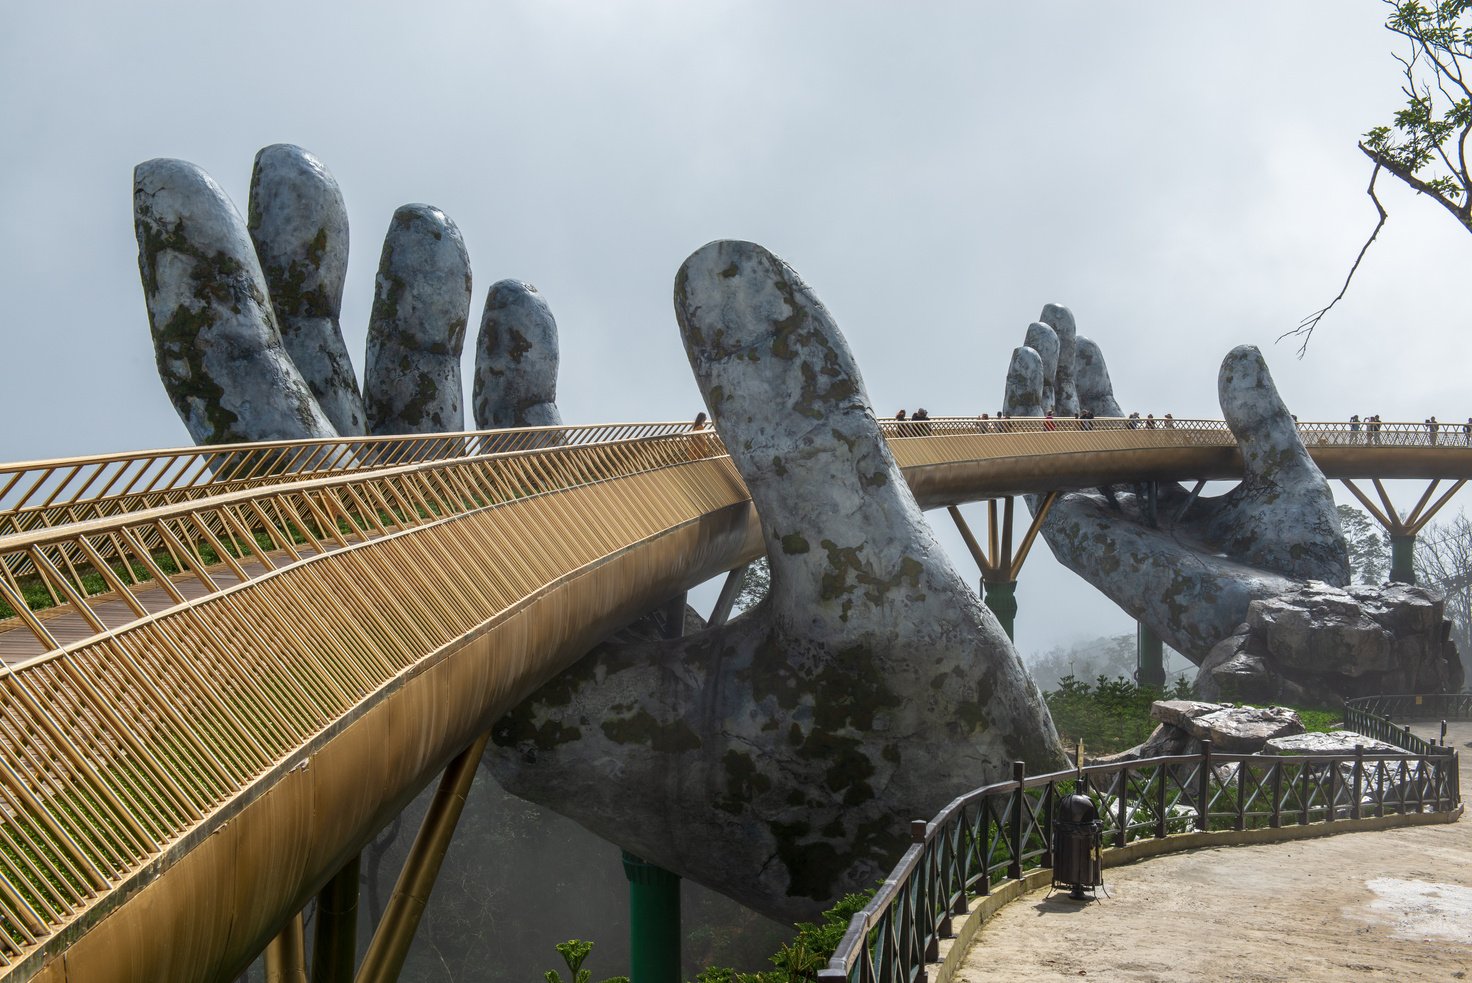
point(1077, 842)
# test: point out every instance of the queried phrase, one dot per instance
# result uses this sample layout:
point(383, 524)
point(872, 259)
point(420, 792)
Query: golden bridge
point(226, 668)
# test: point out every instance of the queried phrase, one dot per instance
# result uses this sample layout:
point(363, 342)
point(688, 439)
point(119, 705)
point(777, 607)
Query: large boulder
point(1321, 644)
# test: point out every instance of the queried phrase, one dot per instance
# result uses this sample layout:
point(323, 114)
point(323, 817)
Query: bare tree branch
point(1305, 329)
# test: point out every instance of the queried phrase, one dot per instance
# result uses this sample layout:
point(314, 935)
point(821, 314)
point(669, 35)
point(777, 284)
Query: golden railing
point(41, 494)
point(224, 627)
point(116, 745)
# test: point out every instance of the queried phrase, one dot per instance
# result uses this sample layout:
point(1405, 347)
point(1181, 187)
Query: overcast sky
point(1183, 176)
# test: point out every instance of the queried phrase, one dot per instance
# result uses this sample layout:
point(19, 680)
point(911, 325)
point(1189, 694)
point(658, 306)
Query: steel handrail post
point(1358, 780)
point(1203, 786)
point(1019, 775)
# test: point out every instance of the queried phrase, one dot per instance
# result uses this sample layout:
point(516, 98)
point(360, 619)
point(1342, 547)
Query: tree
point(1444, 566)
point(1425, 144)
point(1369, 546)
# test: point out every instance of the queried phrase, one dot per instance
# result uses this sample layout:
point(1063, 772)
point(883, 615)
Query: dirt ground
point(1388, 905)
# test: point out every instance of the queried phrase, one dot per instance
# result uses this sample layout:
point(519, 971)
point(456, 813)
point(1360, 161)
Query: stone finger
point(299, 225)
point(417, 328)
point(218, 347)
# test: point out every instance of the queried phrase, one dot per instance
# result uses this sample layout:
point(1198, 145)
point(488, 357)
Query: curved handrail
point(942, 462)
point(321, 597)
point(50, 491)
point(996, 833)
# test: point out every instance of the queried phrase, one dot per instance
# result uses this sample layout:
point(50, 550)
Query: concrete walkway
point(1387, 905)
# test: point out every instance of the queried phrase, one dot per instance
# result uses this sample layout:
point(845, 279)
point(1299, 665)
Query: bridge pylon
point(1403, 531)
point(999, 565)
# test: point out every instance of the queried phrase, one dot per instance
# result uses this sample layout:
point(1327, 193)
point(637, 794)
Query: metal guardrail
point(113, 746)
point(1375, 716)
point(998, 833)
point(43, 494)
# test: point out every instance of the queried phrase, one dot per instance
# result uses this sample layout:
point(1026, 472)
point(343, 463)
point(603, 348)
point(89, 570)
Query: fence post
point(1019, 773)
point(1160, 828)
point(1358, 778)
point(1121, 806)
point(1331, 813)
point(1203, 785)
point(1050, 803)
point(1277, 819)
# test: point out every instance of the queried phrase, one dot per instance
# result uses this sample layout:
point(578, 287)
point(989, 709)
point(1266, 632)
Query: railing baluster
point(1203, 786)
point(1019, 775)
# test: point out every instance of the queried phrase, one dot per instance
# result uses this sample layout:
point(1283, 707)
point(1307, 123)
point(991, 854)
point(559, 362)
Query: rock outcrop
point(1323, 644)
point(778, 758)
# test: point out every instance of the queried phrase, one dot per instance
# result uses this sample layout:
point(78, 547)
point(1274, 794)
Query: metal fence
point(1375, 716)
point(998, 833)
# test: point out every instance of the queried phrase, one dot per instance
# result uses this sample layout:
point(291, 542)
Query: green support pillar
point(1001, 597)
point(1402, 558)
point(1149, 657)
point(654, 922)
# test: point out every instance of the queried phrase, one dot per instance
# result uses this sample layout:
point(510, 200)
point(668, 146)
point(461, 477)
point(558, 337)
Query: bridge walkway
point(157, 766)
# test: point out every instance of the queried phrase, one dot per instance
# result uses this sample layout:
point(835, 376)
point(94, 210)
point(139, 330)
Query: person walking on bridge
point(1354, 428)
point(1431, 427)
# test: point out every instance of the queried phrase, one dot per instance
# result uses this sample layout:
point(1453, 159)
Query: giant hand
point(1187, 572)
point(246, 316)
point(778, 758)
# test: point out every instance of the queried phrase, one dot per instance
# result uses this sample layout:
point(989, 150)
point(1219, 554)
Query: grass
point(1112, 715)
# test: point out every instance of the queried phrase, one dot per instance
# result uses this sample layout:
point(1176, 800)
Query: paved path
point(1388, 905)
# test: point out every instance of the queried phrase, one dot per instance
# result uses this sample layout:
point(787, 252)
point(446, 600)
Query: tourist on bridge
point(1048, 423)
point(1354, 427)
point(1170, 422)
point(1373, 426)
point(1431, 427)
point(984, 423)
point(1134, 420)
point(1149, 421)
point(921, 422)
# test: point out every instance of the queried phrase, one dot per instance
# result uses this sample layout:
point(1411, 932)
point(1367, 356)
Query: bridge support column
point(1001, 597)
point(390, 946)
point(654, 893)
point(999, 565)
point(1403, 558)
point(735, 580)
point(286, 954)
point(1403, 531)
point(654, 922)
point(335, 940)
point(1149, 657)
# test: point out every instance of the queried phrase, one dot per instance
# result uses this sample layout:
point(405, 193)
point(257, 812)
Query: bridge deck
point(158, 766)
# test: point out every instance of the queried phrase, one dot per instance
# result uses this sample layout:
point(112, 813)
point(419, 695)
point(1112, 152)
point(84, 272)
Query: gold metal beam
point(1380, 517)
point(1419, 519)
point(395, 933)
point(286, 956)
point(1032, 532)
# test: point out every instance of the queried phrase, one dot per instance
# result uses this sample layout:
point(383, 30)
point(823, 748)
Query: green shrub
point(799, 960)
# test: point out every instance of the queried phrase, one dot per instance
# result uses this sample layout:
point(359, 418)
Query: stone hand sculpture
point(1189, 572)
point(246, 323)
point(1235, 582)
point(778, 758)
